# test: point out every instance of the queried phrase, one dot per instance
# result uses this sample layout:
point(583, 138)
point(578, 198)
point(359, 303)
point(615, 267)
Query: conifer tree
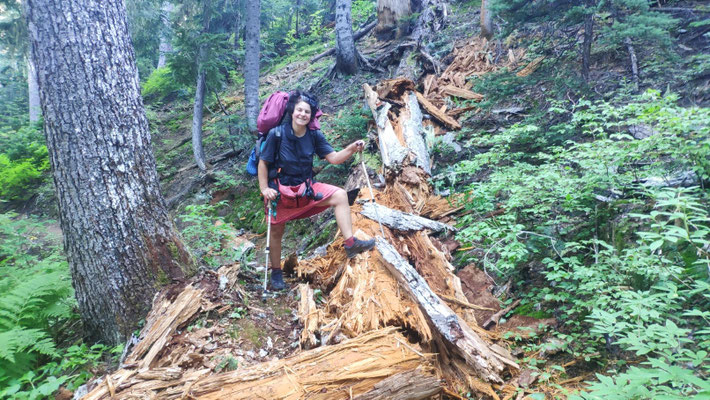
point(118, 236)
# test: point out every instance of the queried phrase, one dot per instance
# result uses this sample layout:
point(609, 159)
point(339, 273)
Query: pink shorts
point(312, 208)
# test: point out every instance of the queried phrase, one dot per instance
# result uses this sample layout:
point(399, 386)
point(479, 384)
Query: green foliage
point(624, 257)
point(202, 42)
point(36, 297)
point(24, 162)
point(614, 22)
point(205, 235)
point(159, 84)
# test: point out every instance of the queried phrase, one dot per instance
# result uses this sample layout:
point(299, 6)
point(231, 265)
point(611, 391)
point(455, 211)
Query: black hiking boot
point(277, 280)
point(358, 247)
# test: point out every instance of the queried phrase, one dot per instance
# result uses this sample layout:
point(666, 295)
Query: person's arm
point(266, 191)
point(339, 157)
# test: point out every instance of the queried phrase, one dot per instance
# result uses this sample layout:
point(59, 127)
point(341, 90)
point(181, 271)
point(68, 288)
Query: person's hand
point(269, 193)
point(358, 145)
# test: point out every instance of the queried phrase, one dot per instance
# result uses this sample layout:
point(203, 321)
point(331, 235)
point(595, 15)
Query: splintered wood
point(357, 367)
point(474, 58)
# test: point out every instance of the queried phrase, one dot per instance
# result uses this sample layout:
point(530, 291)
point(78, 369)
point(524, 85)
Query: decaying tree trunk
point(119, 239)
point(389, 15)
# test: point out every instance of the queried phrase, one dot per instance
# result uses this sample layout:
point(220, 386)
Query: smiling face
point(301, 114)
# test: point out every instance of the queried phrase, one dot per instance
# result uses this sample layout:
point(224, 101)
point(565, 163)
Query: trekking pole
point(372, 194)
point(266, 258)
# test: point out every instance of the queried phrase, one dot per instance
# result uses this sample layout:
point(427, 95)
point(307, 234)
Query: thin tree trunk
point(298, 11)
point(237, 24)
point(33, 91)
point(587, 45)
point(197, 149)
point(486, 20)
point(118, 236)
point(634, 62)
point(251, 65)
point(165, 47)
point(345, 53)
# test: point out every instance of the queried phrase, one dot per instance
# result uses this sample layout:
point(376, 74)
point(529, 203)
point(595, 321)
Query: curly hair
point(296, 97)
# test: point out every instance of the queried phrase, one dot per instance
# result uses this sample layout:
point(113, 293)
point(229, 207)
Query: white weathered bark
point(482, 357)
point(402, 221)
point(118, 236)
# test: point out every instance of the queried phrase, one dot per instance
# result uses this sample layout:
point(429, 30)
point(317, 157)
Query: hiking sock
point(349, 241)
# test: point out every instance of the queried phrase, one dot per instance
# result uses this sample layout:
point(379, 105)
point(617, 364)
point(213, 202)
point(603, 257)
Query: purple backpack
point(272, 113)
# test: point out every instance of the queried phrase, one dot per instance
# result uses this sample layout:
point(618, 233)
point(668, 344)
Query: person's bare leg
point(341, 208)
point(277, 233)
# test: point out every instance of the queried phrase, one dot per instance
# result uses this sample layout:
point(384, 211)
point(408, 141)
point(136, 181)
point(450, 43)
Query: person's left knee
point(340, 196)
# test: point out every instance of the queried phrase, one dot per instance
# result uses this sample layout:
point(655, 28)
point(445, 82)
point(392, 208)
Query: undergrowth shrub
point(160, 84)
point(24, 162)
point(602, 231)
point(208, 237)
point(36, 302)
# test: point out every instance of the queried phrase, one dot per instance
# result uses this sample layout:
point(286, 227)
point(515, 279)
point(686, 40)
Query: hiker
point(286, 163)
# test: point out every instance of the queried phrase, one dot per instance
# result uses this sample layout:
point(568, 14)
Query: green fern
point(25, 340)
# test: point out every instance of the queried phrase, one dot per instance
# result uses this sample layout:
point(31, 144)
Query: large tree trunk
point(251, 64)
point(118, 236)
point(197, 149)
point(165, 47)
point(33, 90)
point(345, 53)
point(486, 20)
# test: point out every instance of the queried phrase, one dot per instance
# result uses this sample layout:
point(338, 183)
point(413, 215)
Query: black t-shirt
point(296, 153)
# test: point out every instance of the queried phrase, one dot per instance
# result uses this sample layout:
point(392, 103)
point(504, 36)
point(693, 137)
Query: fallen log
point(488, 363)
point(352, 368)
point(413, 133)
point(402, 221)
point(391, 149)
point(410, 385)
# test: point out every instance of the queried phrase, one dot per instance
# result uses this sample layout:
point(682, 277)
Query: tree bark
point(345, 53)
point(33, 91)
point(357, 36)
point(587, 45)
point(118, 237)
point(197, 149)
point(165, 47)
point(486, 20)
point(251, 65)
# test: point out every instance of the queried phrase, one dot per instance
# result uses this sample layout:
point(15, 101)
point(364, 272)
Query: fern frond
point(25, 340)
